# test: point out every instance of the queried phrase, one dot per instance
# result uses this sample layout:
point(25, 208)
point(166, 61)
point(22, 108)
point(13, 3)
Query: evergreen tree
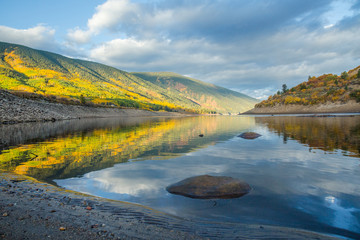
point(344, 75)
point(284, 88)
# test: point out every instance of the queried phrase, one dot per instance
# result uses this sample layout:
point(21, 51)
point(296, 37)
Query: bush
point(355, 95)
point(344, 75)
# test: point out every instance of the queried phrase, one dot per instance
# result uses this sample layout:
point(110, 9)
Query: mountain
point(55, 77)
point(326, 93)
point(200, 93)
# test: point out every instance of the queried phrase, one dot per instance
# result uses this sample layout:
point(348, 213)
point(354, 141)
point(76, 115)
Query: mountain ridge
point(41, 72)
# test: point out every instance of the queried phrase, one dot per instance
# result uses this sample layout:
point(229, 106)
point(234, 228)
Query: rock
point(249, 135)
point(208, 187)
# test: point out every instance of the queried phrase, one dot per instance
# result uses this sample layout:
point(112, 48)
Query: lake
point(304, 171)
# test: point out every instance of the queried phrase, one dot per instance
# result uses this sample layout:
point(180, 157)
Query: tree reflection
point(325, 133)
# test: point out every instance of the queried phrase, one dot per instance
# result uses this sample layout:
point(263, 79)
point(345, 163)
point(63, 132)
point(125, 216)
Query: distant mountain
point(326, 93)
point(200, 93)
point(23, 69)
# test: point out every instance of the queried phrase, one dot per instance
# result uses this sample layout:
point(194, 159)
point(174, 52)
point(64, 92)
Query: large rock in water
point(249, 135)
point(207, 187)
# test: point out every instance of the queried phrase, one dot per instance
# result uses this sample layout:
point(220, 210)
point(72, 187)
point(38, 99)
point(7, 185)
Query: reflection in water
point(292, 186)
point(325, 133)
point(100, 144)
point(343, 217)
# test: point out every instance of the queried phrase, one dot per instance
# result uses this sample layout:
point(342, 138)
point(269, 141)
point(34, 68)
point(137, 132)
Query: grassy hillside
point(206, 95)
point(328, 88)
point(25, 70)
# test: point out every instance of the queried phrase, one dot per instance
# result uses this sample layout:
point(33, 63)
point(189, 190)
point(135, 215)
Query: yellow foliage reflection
point(82, 152)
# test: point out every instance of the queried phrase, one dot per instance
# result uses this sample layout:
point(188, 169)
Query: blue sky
point(248, 46)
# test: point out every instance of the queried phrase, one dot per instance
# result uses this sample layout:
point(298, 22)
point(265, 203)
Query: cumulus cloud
point(112, 15)
point(288, 56)
point(250, 46)
point(36, 37)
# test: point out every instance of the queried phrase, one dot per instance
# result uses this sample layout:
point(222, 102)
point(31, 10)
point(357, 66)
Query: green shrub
point(355, 95)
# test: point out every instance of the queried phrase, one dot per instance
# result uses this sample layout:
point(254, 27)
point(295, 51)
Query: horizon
point(252, 48)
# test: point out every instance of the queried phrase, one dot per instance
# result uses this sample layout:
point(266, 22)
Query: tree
point(358, 75)
point(284, 88)
point(344, 75)
point(82, 99)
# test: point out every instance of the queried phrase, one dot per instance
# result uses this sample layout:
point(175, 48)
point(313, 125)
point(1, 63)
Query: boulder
point(249, 135)
point(209, 187)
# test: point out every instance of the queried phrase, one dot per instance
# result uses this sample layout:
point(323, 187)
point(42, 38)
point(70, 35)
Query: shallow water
point(304, 171)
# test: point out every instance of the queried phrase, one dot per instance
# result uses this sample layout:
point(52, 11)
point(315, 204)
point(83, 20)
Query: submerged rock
point(208, 187)
point(249, 135)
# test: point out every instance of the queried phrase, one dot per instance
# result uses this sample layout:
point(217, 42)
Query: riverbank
point(14, 109)
point(34, 210)
point(349, 107)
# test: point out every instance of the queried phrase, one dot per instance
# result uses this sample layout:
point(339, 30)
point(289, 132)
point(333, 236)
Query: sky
point(248, 46)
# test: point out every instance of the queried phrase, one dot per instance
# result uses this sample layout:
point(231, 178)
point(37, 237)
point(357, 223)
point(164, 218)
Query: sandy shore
point(14, 109)
point(34, 210)
point(350, 107)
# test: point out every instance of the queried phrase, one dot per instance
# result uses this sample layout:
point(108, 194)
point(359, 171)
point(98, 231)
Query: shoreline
point(350, 107)
point(30, 209)
point(14, 110)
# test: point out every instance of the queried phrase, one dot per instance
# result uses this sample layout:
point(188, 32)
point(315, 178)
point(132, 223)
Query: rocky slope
point(14, 109)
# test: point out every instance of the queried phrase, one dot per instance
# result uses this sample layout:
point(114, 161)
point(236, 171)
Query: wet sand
point(30, 209)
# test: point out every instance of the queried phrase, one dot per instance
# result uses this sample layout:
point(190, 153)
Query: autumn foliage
point(327, 88)
point(39, 74)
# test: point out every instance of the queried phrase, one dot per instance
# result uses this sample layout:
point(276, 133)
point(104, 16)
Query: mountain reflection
point(325, 133)
point(103, 144)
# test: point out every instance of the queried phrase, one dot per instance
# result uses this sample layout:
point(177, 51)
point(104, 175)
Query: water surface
point(304, 171)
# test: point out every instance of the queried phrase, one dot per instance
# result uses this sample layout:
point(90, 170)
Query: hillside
point(204, 94)
point(326, 93)
point(74, 81)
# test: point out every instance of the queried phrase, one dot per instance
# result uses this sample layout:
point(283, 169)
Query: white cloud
point(111, 13)
point(79, 36)
point(108, 16)
point(36, 37)
point(145, 55)
point(288, 56)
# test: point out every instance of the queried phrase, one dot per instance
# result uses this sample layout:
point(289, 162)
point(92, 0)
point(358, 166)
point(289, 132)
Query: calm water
point(304, 171)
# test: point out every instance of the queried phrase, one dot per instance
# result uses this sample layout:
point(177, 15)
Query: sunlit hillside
point(204, 94)
point(75, 81)
point(325, 89)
